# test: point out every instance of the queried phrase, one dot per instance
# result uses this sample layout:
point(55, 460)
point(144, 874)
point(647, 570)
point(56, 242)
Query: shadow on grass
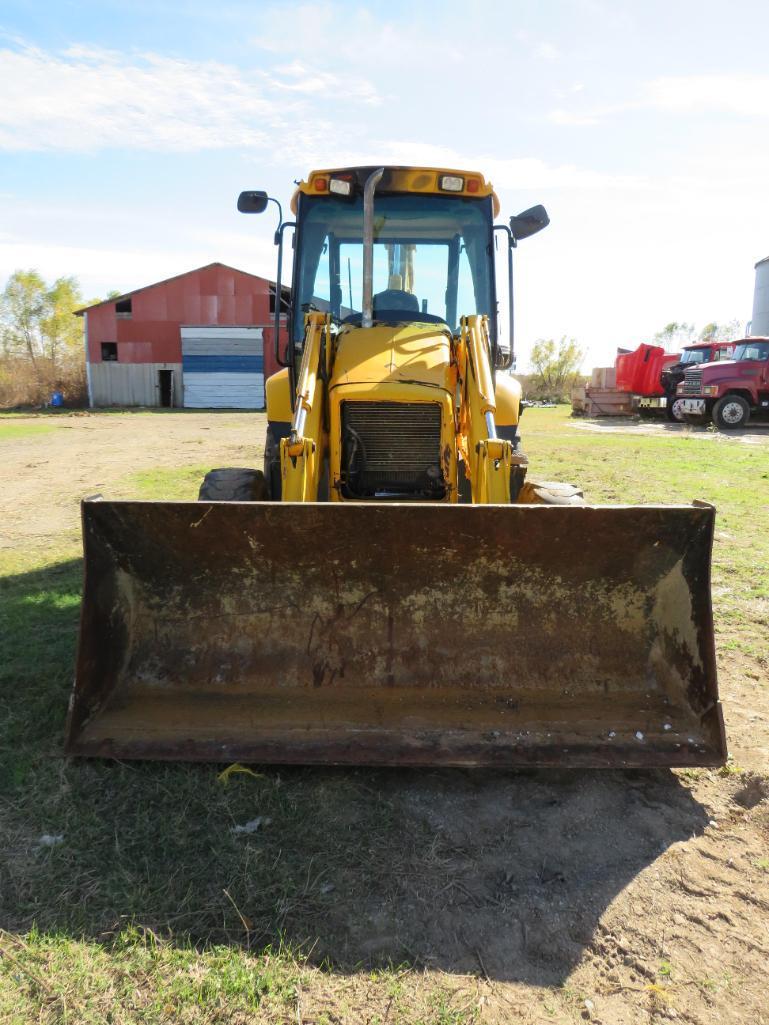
point(498, 873)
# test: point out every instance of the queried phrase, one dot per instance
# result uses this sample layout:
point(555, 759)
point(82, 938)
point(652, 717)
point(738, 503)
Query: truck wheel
point(233, 484)
point(730, 412)
point(674, 410)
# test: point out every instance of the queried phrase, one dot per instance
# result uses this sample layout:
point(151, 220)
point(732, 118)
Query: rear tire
point(731, 412)
point(233, 484)
point(548, 492)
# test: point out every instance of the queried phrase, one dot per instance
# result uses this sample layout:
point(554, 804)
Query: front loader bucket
point(397, 634)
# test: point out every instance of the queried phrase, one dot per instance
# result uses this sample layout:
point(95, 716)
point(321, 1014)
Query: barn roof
point(175, 277)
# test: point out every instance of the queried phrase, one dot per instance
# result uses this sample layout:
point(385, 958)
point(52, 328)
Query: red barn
point(203, 339)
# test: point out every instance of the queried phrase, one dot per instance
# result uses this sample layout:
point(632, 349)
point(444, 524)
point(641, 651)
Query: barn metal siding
point(209, 296)
point(223, 367)
point(132, 384)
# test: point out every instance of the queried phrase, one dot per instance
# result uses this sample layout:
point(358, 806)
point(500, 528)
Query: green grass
point(180, 484)
point(13, 431)
point(151, 910)
point(138, 977)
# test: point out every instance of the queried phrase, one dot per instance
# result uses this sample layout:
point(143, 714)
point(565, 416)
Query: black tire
point(233, 484)
point(272, 459)
point(673, 410)
point(731, 412)
point(465, 490)
point(551, 493)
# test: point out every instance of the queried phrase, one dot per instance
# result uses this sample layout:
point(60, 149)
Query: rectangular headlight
point(710, 389)
point(341, 187)
point(451, 183)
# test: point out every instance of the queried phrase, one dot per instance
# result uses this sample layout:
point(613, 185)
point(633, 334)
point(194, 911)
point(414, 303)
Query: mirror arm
point(280, 219)
point(279, 294)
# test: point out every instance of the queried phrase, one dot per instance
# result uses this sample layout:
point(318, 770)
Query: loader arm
point(301, 453)
point(487, 458)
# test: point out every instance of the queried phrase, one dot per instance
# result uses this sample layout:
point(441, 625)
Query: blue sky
point(128, 129)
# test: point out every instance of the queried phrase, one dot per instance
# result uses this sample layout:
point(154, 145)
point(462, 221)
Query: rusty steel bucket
point(397, 634)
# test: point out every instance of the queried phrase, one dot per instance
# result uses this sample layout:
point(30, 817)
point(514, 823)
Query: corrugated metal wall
point(132, 384)
point(210, 295)
point(223, 367)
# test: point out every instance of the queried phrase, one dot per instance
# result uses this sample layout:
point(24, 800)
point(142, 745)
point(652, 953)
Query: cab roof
point(401, 179)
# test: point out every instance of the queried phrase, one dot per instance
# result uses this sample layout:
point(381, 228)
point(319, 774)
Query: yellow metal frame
point(488, 460)
point(302, 452)
point(406, 179)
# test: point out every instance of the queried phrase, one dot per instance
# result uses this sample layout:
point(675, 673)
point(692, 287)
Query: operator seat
point(395, 299)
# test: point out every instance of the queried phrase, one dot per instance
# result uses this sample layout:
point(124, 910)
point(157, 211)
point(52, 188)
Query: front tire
point(674, 410)
point(272, 459)
point(233, 484)
point(731, 412)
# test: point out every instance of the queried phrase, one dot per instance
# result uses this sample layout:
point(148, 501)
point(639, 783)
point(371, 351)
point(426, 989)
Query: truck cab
point(731, 391)
point(692, 356)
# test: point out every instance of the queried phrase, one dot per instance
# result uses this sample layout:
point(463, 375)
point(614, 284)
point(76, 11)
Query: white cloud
point(85, 99)
point(352, 36)
point(559, 116)
point(737, 95)
point(546, 52)
point(743, 95)
point(99, 269)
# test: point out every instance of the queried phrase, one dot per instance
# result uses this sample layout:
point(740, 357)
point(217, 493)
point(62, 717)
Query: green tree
point(22, 308)
point(715, 332)
point(675, 334)
point(555, 365)
point(36, 321)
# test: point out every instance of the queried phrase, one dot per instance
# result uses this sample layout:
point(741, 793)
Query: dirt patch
point(83, 454)
point(757, 434)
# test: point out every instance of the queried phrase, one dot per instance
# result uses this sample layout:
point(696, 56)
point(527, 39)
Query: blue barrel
point(57, 399)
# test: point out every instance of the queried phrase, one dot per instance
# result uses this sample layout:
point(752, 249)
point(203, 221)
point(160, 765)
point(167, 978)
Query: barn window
point(123, 308)
point(109, 352)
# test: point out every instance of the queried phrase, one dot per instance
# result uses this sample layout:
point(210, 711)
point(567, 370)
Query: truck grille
point(391, 448)
point(692, 382)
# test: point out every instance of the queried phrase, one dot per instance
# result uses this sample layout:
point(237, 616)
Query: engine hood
point(720, 370)
point(396, 354)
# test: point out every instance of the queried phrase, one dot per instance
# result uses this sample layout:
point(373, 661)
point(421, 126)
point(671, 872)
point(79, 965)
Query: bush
point(24, 384)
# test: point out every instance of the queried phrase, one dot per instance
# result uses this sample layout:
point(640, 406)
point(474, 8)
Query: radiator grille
point(692, 382)
point(391, 447)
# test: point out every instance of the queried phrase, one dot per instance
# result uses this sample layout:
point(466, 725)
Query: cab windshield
point(751, 350)
point(433, 259)
point(694, 356)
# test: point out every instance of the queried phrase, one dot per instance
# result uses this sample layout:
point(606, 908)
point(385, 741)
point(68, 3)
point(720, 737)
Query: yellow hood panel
point(394, 354)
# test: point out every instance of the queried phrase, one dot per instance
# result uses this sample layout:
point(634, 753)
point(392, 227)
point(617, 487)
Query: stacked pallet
point(601, 398)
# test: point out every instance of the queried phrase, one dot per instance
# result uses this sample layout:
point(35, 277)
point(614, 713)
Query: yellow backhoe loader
point(391, 589)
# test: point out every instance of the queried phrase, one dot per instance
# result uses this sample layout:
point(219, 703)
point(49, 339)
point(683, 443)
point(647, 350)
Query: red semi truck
point(673, 374)
point(730, 391)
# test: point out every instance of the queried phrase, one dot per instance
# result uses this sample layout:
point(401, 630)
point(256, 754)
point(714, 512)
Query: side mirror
point(503, 359)
point(529, 222)
point(253, 202)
